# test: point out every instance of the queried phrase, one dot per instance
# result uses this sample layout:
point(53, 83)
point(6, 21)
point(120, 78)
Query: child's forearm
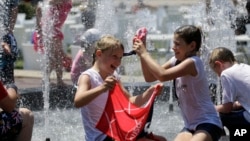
point(6, 47)
point(236, 105)
point(143, 98)
point(148, 76)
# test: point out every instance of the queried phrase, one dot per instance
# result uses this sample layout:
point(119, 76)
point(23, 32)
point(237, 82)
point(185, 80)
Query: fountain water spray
point(107, 21)
point(217, 31)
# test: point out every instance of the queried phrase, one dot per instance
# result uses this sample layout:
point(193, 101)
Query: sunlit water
point(66, 124)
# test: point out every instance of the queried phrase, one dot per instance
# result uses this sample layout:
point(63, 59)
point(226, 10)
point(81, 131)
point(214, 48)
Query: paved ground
point(161, 2)
point(33, 78)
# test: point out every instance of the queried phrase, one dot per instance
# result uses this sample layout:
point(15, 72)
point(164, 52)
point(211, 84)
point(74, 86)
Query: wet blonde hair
point(107, 42)
point(221, 54)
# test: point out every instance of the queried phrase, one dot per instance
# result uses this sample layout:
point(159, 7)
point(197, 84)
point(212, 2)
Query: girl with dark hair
point(202, 122)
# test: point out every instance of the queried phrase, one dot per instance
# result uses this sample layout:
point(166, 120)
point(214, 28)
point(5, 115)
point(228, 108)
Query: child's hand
point(139, 47)
point(109, 82)
point(158, 88)
point(6, 47)
point(143, 39)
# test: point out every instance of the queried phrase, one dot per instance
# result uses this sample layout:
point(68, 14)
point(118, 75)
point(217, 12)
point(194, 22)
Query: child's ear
point(193, 45)
point(98, 52)
point(218, 63)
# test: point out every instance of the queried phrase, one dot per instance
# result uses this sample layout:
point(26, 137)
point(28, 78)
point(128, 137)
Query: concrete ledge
point(37, 74)
point(33, 98)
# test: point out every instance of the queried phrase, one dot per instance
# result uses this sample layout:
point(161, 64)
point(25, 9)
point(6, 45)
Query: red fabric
point(67, 63)
point(122, 120)
point(37, 40)
point(3, 92)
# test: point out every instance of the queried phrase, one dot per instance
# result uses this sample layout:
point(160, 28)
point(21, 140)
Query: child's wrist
point(13, 86)
point(144, 54)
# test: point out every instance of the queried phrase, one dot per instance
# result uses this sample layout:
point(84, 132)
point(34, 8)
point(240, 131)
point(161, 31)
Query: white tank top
point(92, 112)
point(194, 98)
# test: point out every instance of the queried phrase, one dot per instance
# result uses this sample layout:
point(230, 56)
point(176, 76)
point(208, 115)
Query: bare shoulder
point(83, 79)
point(188, 65)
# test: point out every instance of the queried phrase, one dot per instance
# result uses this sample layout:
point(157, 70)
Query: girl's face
point(181, 49)
point(111, 60)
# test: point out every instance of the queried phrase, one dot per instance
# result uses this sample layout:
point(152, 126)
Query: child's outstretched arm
point(224, 108)
point(148, 76)
point(85, 94)
point(151, 69)
point(165, 72)
point(143, 98)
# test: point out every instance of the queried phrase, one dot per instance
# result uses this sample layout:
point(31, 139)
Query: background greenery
point(28, 9)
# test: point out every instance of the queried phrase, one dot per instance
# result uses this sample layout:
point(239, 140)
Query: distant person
point(219, 4)
point(88, 14)
point(239, 24)
point(94, 86)
point(84, 57)
point(240, 28)
point(15, 124)
point(9, 49)
point(186, 69)
point(225, 7)
point(141, 5)
point(235, 82)
point(49, 35)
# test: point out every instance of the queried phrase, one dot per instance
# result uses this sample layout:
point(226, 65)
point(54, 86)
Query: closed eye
point(115, 57)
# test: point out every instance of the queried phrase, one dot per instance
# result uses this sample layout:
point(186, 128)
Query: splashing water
point(124, 25)
point(217, 30)
point(45, 86)
point(48, 33)
point(106, 21)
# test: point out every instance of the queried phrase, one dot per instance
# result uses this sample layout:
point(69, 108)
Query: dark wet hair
point(107, 42)
point(190, 33)
point(248, 6)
